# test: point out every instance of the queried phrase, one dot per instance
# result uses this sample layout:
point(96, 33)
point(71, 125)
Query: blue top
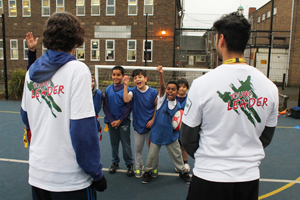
point(97, 100)
point(162, 132)
point(143, 108)
point(114, 106)
point(182, 101)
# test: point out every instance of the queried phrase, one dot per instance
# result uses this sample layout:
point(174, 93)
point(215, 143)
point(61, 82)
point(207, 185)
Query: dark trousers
point(201, 189)
point(84, 194)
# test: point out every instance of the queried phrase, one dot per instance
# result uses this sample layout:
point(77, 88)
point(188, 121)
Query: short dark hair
point(137, 72)
point(117, 67)
point(183, 81)
point(63, 32)
point(173, 82)
point(236, 30)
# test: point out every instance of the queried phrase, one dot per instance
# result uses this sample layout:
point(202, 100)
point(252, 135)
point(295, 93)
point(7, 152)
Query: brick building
point(285, 47)
point(115, 30)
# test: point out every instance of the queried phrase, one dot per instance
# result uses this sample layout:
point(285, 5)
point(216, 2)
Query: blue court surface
point(280, 174)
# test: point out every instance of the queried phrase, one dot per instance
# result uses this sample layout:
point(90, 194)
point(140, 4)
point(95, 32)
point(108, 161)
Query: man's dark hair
point(173, 82)
point(137, 72)
point(183, 81)
point(117, 67)
point(63, 32)
point(236, 30)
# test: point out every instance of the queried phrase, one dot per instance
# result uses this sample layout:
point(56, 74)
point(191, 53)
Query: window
point(191, 60)
point(14, 55)
point(132, 7)
point(60, 5)
point(131, 50)
point(26, 8)
point(95, 52)
point(80, 7)
point(110, 50)
point(110, 7)
point(263, 17)
point(1, 6)
point(268, 14)
point(147, 55)
point(275, 11)
point(258, 19)
point(12, 7)
point(25, 49)
point(80, 52)
point(95, 7)
point(200, 58)
point(148, 7)
point(44, 49)
point(45, 8)
point(1, 49)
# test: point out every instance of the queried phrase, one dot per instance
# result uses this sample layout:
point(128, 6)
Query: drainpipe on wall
point(291, 31)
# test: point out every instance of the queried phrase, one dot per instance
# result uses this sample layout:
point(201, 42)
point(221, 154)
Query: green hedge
point(16, 83)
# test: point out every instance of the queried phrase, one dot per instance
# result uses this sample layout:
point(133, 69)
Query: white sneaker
point(187, 167)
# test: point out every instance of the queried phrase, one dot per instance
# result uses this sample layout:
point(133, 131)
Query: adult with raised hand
point(229, 118)
point(57, 103)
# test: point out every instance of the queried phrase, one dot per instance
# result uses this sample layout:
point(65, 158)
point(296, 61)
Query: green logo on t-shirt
point(45, 91)
point(244, 99)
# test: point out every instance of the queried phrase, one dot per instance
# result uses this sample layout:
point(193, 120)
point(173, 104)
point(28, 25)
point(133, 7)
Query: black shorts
point(84, 194)
point(201, 189)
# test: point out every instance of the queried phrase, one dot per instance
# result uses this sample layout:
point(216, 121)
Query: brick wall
point(163, 19)
point(282, 26)
point(294, 72)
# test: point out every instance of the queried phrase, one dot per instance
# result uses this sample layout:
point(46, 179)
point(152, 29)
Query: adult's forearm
point(189, 138)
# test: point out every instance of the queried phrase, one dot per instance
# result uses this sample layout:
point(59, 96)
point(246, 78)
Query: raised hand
point(31, 42)
point(126, 79)
point(160, 69)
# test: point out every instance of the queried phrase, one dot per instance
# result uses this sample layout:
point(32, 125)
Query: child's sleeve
point(106, 111)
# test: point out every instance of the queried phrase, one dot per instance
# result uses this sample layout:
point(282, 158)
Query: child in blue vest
point(97, 100)
point(143, 112)
point(117, 117)
point(181, 98)
point(162, 132)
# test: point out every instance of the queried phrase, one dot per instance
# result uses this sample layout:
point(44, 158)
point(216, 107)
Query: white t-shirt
point(52, 159)
point(229, 147)
point(131, 94)
point(160, 101)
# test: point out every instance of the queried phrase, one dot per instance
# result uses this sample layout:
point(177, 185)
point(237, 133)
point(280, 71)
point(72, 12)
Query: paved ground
point(279, 170)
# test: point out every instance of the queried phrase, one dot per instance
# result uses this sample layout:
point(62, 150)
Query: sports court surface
point(280, 174)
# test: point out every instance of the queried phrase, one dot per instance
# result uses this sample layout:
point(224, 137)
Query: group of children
point(152, 119)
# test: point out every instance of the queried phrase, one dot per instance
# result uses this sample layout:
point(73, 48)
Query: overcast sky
point(205, 12)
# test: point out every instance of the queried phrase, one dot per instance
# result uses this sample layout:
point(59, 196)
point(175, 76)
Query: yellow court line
point(278, 190)
point(9, 112)
point(284, 127)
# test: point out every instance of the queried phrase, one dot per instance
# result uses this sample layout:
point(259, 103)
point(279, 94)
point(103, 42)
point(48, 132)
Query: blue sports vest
point(116, 104)
point(143, 108)
point(162, 132)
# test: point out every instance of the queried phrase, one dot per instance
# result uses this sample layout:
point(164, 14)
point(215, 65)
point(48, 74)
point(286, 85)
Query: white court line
point(162, 173)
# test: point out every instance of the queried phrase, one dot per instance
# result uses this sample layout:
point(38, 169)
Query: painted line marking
point(166, 173)
point(279, 189)
point(9, 112)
